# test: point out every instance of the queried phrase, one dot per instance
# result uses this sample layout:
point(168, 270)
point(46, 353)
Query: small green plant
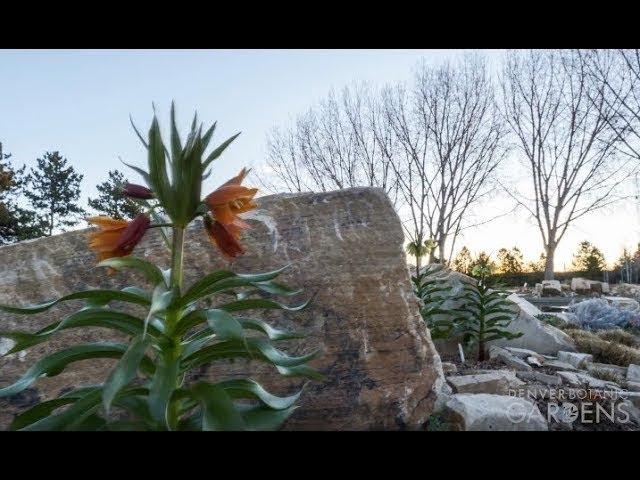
point(180, 332)
point(431, 287)
point(437, 423)
point(550, 319)
point(485, 314)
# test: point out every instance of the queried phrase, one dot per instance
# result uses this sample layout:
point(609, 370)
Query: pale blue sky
point(79, 101)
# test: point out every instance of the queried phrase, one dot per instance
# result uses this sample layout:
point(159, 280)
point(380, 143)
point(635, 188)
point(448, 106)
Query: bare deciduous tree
point(450, 142)
point(333, 146)
point(562, 120)
point(619, 73)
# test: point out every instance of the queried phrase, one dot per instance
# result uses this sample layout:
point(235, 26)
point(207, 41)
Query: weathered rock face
point(485, 412)
point(345, 247)
point(537, 336)
point(497, 382)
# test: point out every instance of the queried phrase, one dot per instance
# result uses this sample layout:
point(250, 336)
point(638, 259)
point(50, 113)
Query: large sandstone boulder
point(344, 247)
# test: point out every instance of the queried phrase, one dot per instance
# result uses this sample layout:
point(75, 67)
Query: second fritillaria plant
point(177, 335)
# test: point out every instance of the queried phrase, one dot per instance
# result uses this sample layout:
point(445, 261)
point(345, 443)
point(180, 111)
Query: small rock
point(497, 382)
point(578, 360)
point(539, 377)
point(633, 373)
point(512, 361)
point(633, 386)
point(579, 379)
point(482, 412)
point(449, 368)
point(551, 288)
point(534, 361)
point(523, 353)
point(558, 365)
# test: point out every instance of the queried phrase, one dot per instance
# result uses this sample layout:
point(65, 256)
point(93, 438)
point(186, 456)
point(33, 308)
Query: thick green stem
point(173, 354)
point(176, 258)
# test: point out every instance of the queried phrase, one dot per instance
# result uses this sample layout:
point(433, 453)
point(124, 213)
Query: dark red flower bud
point(137, 191)
point(134, 232)
point(225, 237)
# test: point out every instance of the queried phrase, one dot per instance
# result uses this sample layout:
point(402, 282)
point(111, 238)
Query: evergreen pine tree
point(588, 259)
point(16, 223)
point(54, 190)
point(111, 201)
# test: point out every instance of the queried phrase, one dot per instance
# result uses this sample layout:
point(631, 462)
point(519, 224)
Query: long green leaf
point(98, 295)
point(125, 371)
point(204, 285)
point(218, 410)
point(162, 387)
point(261, 418)
point(254, 303)
point(224, 325)
point(44, 409)
point(218, 151)
point(93, 317)
point(248, 388)
point(148, 269)
point(55, 363)
point(255, 348)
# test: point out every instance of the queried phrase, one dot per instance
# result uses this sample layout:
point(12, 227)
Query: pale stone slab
point(497, 382)
point(578, 360)
point(484, 412)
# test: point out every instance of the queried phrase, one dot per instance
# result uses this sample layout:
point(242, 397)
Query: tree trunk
point(482, 353)
point(418, 264)
point(441, 251)
point(548, 264)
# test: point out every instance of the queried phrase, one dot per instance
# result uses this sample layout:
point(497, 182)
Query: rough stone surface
point(482, 412)
point(578, 360)
point(448, 367)
point(540, 377)
point(524, 353)
point(537, 336)
point(345, 247)
point(497, 382)
point(580, 379)
point(512, 361)
point(633, 373)
point(551, 288)
point(583, 286)
point(554, 364)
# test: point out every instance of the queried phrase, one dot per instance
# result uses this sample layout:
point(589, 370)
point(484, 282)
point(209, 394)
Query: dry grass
point(569, 326)
point(619, 336)
point(604, 351)
point(606, 375)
